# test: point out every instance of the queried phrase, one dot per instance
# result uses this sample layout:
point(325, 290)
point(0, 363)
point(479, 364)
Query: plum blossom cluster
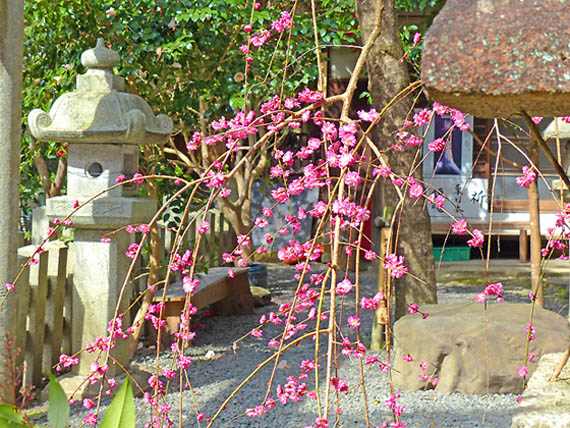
point(407, 137)
point(338, 142)
point(259, 38)
point(553, 245)
point(349, 213)
point(296, 252)
point(115, 328)
point(495, 289)
point(528, 177)
point(433, 381)
point(395, 264)
point(137, 178)
point(477, 240)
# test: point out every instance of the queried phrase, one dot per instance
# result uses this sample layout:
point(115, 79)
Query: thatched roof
point(494, 58)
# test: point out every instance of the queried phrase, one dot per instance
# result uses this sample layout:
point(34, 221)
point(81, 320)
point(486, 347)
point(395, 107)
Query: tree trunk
point(386, 77)
point(240, 222)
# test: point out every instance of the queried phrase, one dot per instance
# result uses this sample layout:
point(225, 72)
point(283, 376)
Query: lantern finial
point(100, 57)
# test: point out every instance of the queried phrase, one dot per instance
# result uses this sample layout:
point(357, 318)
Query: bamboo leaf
point(121, 412)
point(58, 410)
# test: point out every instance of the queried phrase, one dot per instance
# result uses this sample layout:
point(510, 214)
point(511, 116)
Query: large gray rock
point(464, 356)
point(545, 404)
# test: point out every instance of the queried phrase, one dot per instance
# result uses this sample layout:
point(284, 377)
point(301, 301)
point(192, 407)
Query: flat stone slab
point(456, 350)
point(545, 404)
point(223, 294)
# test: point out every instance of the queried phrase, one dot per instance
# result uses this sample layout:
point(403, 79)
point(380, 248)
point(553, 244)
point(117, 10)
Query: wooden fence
point(44, 294)
point(44, 307)
point(219, 239)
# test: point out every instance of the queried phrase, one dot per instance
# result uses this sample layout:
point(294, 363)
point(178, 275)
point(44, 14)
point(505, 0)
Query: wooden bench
point(520, 228)
point(224, 296)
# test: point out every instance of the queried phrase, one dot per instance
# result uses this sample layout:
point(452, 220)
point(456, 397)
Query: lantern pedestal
point(103, 126)
point(99, 269)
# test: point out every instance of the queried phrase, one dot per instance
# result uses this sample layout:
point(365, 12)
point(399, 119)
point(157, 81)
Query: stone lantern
point(103, 126)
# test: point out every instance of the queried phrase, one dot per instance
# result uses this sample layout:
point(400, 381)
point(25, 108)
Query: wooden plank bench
point(520, 228)
point(224, 296)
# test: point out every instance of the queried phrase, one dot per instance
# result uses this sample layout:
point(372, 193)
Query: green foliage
point(58, 410)
point(409, 5)
point(429, 9)
point(10, 417)
point(174, 53)
point(121, 412)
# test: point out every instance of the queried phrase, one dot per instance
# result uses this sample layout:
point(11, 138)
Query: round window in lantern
point(94, 169)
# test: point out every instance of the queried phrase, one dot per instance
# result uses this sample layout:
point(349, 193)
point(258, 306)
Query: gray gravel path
point(213, 379)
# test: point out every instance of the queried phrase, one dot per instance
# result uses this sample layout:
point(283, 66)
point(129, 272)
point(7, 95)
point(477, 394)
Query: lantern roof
point(99, 110)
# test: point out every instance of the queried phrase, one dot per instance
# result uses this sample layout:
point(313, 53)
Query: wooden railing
point(219, 239)
point(44, 307)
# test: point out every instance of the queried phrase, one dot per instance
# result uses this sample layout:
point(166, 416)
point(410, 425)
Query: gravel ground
point(213, 379)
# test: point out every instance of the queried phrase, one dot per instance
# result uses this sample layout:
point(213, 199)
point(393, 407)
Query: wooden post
point(523, 245)
point(220, 238)
point(11, 50)
point(35, 352)
point(535, 238)
point(381, 317)
point(57, 300)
